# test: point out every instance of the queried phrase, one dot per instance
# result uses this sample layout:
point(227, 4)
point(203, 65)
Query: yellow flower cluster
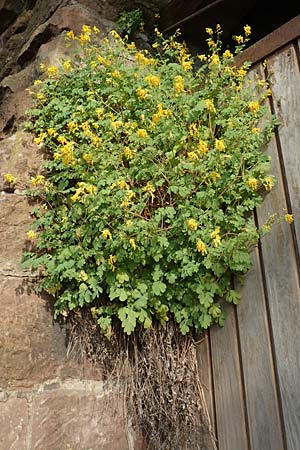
point(192, 224)
point(220, 145)
point(106, 234)
point(161, 113)
point(41, 137)
point(201, 247)
point(252, 183)
point(202, 147)
point(142, 133)
point(82, 190)
point(268, 183)
point(38, 180)
point(152, 80)
point(215, 236)
point(52, 71)
point(132, 243)
point(128, 153)
point(179, 84)
point(253, 107)
point(209, 105)
point(10, 178)
point(289, 218)
point(112, 262)
point(142, 93)
point(85, 36)
point(31, 235)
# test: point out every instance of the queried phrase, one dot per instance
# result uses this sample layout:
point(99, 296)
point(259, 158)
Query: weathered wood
point(283, 291)
point(264, 423)
point(204, 365)
point(286, 95)
point(229, 395)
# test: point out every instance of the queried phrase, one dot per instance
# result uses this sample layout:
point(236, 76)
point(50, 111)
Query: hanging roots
point(157, 371)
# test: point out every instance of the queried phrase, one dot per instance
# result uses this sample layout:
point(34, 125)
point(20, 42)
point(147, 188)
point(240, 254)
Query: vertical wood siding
point(251, 367)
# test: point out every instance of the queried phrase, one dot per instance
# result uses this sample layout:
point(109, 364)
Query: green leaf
point(128, 319)
point(233, 297)
point(158, 287)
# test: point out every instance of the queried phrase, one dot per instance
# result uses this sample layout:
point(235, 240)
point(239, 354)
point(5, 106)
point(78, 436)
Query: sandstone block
point(77, 420)
point(32, 347)
point(13, 424)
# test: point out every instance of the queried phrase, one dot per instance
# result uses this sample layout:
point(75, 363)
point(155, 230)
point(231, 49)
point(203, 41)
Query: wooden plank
point(272, 42)
point(265, 428)
point(204, 366)
point(286, 96)
point(283, 291)
point(229, 397)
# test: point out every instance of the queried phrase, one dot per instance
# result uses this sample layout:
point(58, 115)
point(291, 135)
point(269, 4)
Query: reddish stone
point(78, 419)
point(13, 424)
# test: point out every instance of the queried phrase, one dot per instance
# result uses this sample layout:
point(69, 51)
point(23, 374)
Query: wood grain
point(283, 291)
point(286, 97)
point(229, 396)
point(264, 423)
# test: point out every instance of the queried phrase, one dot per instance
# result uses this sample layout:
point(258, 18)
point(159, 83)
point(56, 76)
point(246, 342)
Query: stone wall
point(49, 400)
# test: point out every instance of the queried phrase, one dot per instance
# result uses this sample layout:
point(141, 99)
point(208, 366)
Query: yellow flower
point(155, 45)
point(215, 235)
point(70, 34)
point(252, 183)
point(201, 247)
point(132, 243)
point(202, 57)
point(116, 124)
point(215, 176)
point(52, 71)
point(220, 145)
point(214, 59)
point(186, 64)
point(268, 183)
point(115, 35)
point(116, 74)
point(202, 147)
point(102, 60)
point(193, 130)
point(192, 156)
point(179, 84)
point(122, 184)
point(112, 261)
point(40, 96)
point(209, 105)
point(37, 82)
point(141, 59)
point(227, 54)
point(91, 189)
point(128, 153)
point(38, 140)
point(152, 80)
point(192, 224)
point(209, 31)
point(84, 38)
point(255, 130)
point(39, 179)
point(106, 234)
point(238, 39)
point(31, 235)
point(52, 132)
point(142, 133)
point(67, 65)
point(73, 126)
point(10, 178)
point(67, 153)
point(96, 30)
point(289, 218)
point(253, 107)
point(131, 46)
point(88, 157)
point(83, 276)
point(247, 30)
point(142, 93)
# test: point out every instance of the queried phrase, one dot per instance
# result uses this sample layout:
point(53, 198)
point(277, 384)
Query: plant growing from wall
point(155, 166)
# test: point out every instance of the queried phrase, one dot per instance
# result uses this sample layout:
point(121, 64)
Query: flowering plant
point(154, 168)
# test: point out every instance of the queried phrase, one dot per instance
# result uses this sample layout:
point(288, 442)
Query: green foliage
point(154, 169)
point(131, 21)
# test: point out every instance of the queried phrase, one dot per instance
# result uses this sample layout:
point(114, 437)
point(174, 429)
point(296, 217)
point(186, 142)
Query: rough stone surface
point(61, 419)
point(14, 221)
point(13, 424)
point(50, 399)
